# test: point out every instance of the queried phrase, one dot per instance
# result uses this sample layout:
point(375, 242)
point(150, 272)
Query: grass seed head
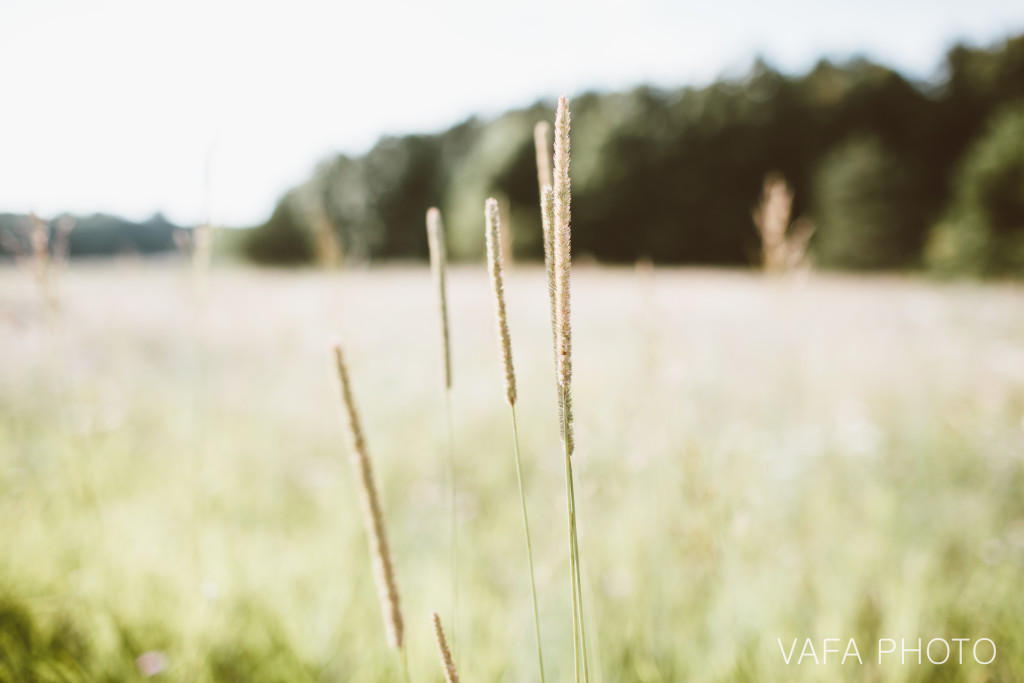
point(450, 675)
point(438, 266)
point(373, 518)
point(772, 220)
point(493, 230)
point(562, 257)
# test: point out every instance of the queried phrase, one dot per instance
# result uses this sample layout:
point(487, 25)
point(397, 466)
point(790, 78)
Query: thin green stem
point(571, 507)
point(529, 545)
point(572, 576)
point(579, 585)
point(454, 525)
point(404, 653)
point(579, 633)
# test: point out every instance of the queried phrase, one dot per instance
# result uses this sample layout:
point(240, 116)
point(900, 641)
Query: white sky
point(115, 105)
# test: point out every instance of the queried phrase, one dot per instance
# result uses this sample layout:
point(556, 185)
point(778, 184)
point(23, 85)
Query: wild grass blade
point(492, 223)
point(562, 257)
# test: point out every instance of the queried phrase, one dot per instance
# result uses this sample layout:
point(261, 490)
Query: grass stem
point(529, 544)
point(579, 632)
point(572, 570)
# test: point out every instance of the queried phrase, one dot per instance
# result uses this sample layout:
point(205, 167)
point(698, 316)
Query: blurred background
point(798, 230)
point(896, 126)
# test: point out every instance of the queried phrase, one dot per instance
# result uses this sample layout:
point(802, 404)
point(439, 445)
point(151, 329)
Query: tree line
point(892, 174)
point(885, 172)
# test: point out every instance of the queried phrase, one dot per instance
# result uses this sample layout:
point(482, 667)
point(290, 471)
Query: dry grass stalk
point(561, 258)
point(562, 255)
point(541, 134)
point(438, 266)
point(46, 255)
point(62, 242)
point(796, 245)
point(493, 235)
point(492, 220)
point(782, 249)
point(450, 675)
point(373, 518)
point(328, 247)
point(772, 220)
point(39, 239)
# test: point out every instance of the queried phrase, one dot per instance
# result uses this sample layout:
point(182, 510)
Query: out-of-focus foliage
point(865, 209)
point(984, 229)
point(378, 201)
point(283, 239)
point(673, 174)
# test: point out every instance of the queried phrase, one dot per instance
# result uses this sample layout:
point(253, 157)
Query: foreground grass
point(755, 461)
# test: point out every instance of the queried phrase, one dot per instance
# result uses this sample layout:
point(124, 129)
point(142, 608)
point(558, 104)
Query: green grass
point(754, 461)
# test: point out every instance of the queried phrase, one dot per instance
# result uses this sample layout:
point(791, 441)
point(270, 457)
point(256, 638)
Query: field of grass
point(756, 461)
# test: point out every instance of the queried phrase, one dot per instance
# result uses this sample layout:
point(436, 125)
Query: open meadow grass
point(756, 460)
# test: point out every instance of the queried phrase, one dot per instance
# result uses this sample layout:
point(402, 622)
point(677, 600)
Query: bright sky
point(116, 105)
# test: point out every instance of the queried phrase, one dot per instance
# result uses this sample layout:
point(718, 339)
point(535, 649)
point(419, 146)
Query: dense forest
point(892, 174)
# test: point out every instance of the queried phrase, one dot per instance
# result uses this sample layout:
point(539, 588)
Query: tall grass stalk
point(373, 518)
point(438, 267)
point(783, 246)
point(44, 256)
point(562, 257)
point(494, 261)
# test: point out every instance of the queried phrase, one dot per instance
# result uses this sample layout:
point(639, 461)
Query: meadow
point(758, 461)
